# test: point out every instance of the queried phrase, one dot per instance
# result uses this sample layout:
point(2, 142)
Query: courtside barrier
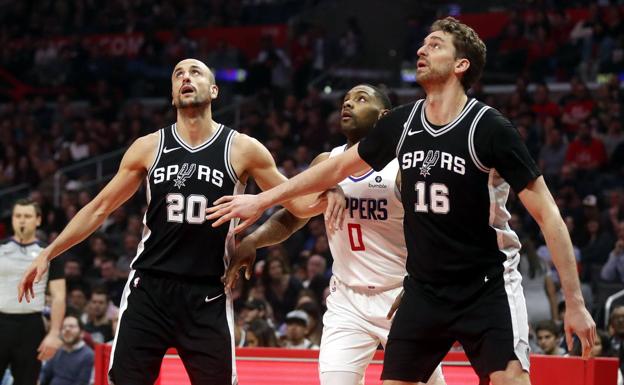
point(273, 366)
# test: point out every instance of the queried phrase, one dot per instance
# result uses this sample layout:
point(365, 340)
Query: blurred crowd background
point(81, 79)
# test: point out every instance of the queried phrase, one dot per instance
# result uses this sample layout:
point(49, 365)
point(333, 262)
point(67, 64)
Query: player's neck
point(195, 126)
point(352, 141)
point(443, 104)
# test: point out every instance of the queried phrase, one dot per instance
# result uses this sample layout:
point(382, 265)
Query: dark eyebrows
point(433, 37)
point(360, 92)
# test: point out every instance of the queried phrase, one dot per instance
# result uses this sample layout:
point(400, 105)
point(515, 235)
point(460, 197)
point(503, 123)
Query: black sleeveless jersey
point(454, 186)
point(181, 184)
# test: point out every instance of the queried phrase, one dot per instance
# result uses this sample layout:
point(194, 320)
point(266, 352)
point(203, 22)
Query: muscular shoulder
point(248, 153)
point(493, 129)
point(142, 151)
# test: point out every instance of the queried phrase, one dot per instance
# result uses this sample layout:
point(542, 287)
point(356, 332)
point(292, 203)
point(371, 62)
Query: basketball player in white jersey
point(369, 252)
point(174, 296)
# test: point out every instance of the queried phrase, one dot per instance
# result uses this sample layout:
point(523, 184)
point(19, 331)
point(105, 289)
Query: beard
point(71, 341)
point(195, 102)
point(433, 75)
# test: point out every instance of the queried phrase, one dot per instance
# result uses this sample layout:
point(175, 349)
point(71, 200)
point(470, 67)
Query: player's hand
point(395, 305)
point(335, 209)
point(244, 256)
point(48, 347)
point(246, 207)
point(578, 321)
point(32, 275)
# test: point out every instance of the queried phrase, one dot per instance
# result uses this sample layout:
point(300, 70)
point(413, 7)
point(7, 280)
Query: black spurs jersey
point(455, 183)
point(181, 184)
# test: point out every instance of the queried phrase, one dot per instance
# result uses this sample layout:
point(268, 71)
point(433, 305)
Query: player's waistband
point(205, 280)
point(20, 316)
point(367, 289)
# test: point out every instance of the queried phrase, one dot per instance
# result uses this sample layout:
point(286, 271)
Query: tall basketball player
point(174, 296)
point(458, 159)
point(369, 253)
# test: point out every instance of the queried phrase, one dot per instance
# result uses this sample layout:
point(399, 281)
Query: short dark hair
point(468, 45)
point(380, 95)
point(28, 202)
point(547, 325)
point(77, 317)
point(100, 290)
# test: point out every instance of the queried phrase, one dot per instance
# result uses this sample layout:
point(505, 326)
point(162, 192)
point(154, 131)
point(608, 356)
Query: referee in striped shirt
point(24, 342)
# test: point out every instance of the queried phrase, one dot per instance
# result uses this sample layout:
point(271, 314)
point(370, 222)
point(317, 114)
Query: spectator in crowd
point(586, 152)
point(543, 107)
point(316, 266)
point(98, 323)
point(77, 299)
point(315, 325)
point(596, 249)
point(613, 270)
point(110, 279)
point(602, 347)
point(539, 289)
point(130, 244)
point(73, 363)
point(255, 309)
point(616, 333)
point(281, 288)
point(260, 334)
point(614, 214)
point(553, 153)
point(548, 338)
point(297, 322)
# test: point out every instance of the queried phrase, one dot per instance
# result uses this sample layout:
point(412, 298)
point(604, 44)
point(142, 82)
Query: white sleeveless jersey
point(370, 252)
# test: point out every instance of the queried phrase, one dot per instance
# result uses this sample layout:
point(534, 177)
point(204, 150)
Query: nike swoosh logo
point(410, 132)
point(167, 150)
point(208, 299)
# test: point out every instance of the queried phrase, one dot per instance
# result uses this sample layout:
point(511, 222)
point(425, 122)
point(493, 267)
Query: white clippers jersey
point(369, 252)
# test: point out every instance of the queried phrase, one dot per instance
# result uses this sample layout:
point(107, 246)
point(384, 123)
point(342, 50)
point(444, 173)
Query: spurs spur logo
point(185, 172)
point(430, 160)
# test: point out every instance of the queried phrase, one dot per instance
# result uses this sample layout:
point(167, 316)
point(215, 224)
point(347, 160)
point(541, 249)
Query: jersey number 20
point(193, 208)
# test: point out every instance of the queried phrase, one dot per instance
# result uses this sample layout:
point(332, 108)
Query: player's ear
point(461, 65)
point(214, 91)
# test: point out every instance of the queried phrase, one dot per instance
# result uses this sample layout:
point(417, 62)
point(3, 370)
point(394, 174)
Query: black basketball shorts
point(487, 316)
point(159, 312)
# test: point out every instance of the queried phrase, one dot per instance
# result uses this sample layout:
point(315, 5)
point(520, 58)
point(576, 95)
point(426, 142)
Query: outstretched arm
point(318, 178)
point(541, 205)
point(279, 227)
point(124, 184)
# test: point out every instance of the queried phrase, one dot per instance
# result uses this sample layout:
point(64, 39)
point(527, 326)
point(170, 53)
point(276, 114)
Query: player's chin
point(348, 124)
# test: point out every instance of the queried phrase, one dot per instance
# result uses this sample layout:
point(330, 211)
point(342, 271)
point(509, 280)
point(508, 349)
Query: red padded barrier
point(271, 366)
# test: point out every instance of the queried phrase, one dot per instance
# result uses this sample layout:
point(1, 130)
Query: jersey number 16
point(438, 198)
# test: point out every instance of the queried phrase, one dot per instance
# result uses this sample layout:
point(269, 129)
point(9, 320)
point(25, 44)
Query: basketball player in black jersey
point(458, 158)
point(174, 296)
